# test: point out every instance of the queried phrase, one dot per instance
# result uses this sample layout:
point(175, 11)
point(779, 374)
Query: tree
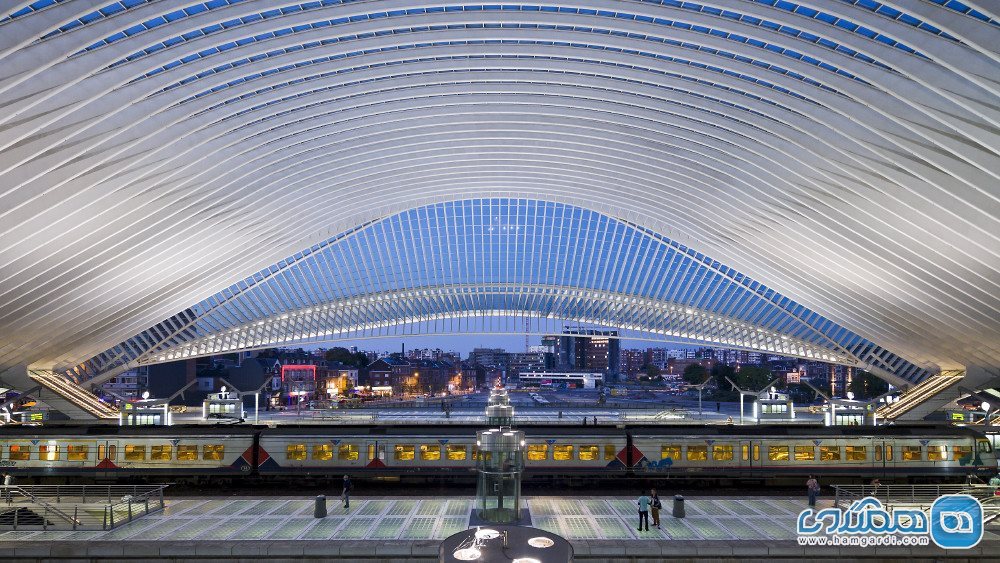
point(864, 385)
point(653, 372)
point(753, 378)
point(695, 374)
point(346, 357)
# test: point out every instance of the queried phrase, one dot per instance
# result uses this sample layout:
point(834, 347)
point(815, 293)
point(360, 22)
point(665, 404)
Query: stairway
point(69, 398)
point(927, 397)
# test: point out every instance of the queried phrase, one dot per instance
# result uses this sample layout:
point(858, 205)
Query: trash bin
point(320, 510)
point(678, 506)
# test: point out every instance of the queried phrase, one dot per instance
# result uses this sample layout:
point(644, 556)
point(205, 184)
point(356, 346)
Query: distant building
point(588, 349)
point(633, 362)
point(128, 385)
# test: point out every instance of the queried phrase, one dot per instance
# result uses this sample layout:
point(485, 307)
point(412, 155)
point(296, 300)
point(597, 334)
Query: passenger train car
point(415, 452)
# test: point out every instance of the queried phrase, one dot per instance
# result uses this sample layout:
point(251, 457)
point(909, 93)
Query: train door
point(882, 456)
point(750, 456)
point(376, 454)
point(107, 458)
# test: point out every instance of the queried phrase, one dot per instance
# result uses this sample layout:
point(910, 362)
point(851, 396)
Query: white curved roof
point(843, 153)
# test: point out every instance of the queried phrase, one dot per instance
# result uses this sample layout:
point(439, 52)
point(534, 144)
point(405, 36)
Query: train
point(427, 452)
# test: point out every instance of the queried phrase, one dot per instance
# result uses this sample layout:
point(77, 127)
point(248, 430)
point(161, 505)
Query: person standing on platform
point(643, 510)
point(655, 505)
point(346, 495)
point(812, 486)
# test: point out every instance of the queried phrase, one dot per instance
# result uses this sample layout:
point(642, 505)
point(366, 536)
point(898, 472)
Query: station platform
point(411, 528)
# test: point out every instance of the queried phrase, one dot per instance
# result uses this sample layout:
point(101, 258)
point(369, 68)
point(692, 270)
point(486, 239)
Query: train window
point(77, 453)
point(538, 452)
point(48, 452)
point(962, 454)
point(777, 453)
point(19, 452)
point(856, 453)
point(673, 452)
point(756, 452)
point(430, 452)
point(187, 453)
point(101, 450)
point(722, 453)
point(984, 446)
point(371, 452)
point(562, 453)
point(937, 453)
point(348, 452)
point(805, 453)
point(213, 452)
point(609, 452)
point(455, 453)
point(829, 453)
point(589, 453)
point(112, 452)
point(295, 452)
point(878, 453)
point(405, 452)
point(161, 453)
point(745, 452)
point(912, 453)
point(697, 453)
point(323, 452)
point(135, 453)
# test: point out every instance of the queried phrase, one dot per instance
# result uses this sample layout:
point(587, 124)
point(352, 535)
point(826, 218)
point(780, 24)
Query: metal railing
point(921, 496)
point(76, 507)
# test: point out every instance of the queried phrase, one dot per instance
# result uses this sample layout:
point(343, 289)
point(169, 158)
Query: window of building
point(48, 452)
point(348, 452)
point(323, 452)
point(912, 453)
point(405, 452)
point(589, 453)
point(673, 452)
point(962, 452)
point(856, 453)
point(135, 453)
point(430, 452)
point(562, 452)
point(187, 453)
point(538, 452)
point(19, 452)
point(805, 453)
point(455, 453)
point(296, 452)
point(722, 453)
point(161, 453)
point(937, 453)
point(609, 452)
point(697, 453)
point(777, 453)
point(213, 452)
point(829, 453)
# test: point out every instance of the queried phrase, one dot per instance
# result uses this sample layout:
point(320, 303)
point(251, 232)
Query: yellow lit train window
point(589, 453)
point(937, 453)
point(912, 453)
point(960, 452)
point(722, 453)
point(609, 452)
point(455, 453)
point(856, 453)
point(187, 453)
point(538, 452)
point(161, 453)
point(19, 452)
point(777, 453)
point(562, 453)
point(77, 453)
point(745, 452)
point(371, 452)
point(430, 452)
point(805, 453)
point(323, 452)
point(295, 452)
point(673, 452)
point(829, 453)
point(878, 453)
point(348, 452)
point(756, 452)
point(697, 453)
point(404, 452)
point(213, 452)
point(48, 452)
point(135, 453)
point(888, 453)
